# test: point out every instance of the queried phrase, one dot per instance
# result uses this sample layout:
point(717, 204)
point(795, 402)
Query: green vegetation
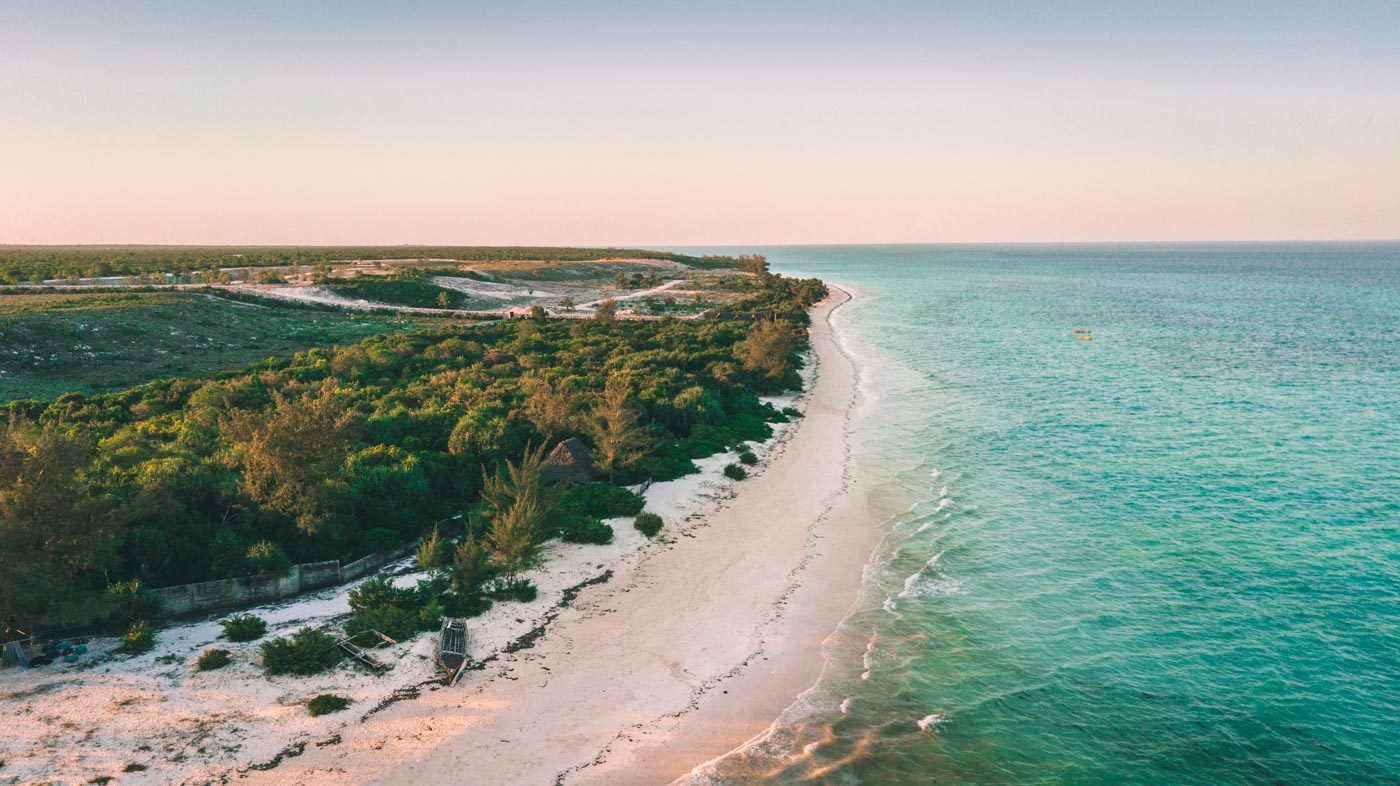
point(51, 344)
point(327, 703)
point(407, 287)
point(517, 589)
point(33, 263)
point(212, 659)
point(735, 472)
point(139, 638)
point(308, 651)
point(748, 458)
point(434, 552)
point(649, 524)
point(243, 627)
point(343, 451)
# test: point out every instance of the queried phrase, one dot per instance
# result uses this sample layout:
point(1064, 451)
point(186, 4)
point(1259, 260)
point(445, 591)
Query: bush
point(435, 552)
point(735, 472)
point(516, 589)
point(458, 605)
point(747, 457)
point(392, 621)
point(579, 529)
point(380, 540)
point(243, 627)
point(268, 557)
point(648, 524)
point(139, 638)
point(792, 412)
point(601, 500)
point(380, 591)
point(308, 651)
point(326, 703)
point(130, 600)
point(213, 659)
point(430, 616)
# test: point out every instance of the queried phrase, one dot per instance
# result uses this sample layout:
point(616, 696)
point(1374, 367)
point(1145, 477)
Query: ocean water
point(1166, 555)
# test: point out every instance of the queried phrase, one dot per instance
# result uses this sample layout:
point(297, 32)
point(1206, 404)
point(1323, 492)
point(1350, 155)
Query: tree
point(292, 456)
point(606, 310)
point(619, 439)
point(470, 566)
point(567, 303)
point(518, 501)
point(551, 409)
point(767, 349)
point(537, 313)
point(443, 300)
point(55, 533)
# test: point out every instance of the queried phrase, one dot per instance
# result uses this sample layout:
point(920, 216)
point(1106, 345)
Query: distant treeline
point(338, 452)
point(34, 263)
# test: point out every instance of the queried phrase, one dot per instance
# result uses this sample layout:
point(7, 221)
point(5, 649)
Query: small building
point(570, 462)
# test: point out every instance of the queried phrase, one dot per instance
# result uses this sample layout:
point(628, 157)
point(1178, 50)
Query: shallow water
point(1166, 555)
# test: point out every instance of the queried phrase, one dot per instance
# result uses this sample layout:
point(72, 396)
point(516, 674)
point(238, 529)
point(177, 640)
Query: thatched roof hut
point(570, 462)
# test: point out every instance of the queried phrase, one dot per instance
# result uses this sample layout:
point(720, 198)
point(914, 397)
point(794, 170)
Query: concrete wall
point(265, 587)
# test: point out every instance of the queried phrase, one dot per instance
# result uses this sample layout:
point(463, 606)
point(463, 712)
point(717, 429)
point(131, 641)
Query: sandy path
point(679, 658)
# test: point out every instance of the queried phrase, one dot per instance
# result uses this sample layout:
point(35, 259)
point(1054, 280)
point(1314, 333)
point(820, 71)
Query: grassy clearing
point(51, 344)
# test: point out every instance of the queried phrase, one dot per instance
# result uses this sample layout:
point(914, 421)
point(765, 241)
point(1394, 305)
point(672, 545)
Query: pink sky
point(893, 124)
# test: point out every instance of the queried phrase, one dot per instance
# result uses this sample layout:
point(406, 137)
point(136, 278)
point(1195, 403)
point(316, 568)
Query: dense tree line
point(338, 452)
point(33, 263)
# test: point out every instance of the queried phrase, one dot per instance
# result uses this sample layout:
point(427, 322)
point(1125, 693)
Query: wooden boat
point(452, 647)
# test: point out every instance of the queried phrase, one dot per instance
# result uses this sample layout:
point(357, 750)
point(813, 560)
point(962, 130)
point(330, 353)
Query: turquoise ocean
point(1166, 555)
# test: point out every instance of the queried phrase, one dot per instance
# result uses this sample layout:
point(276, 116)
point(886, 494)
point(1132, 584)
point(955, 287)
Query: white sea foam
point(846, 705)
point(943, 492)
point(934, 473)
point(932, 720)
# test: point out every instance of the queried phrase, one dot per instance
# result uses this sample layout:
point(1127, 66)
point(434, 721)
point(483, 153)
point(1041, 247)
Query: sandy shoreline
point(681, 655)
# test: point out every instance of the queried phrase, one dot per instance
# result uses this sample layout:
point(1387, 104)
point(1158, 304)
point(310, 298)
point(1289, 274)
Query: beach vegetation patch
point(212, 659)
point(517, 589)
point(243, 627)
point(308, 651)
point(584, 529)
point(327, 703)
point(747, 457)
point(139, 638)
point(735, 472)
point(649, 524)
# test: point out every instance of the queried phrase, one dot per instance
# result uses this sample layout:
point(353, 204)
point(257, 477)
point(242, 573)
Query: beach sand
point(682, 654)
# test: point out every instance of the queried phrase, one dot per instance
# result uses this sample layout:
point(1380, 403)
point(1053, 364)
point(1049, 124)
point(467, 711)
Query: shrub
point(648, 524)
point(792, 412)
point(243, 627)
point(380, 591)
point(601, 500)
point(515, 589)
point(392, 621)
point(326, 703)
point(130, 600)
point(435, 552)
point(380, 540)
point(735, 472)
point(308, 651)
point(455, 604)
point(268, 557)
point(430, 615)
point(139, 638)
point(579, 529)
point(747, 457)
point(213, 659)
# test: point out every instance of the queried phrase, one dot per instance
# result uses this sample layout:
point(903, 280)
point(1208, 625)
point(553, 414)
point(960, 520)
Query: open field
point(52, 344)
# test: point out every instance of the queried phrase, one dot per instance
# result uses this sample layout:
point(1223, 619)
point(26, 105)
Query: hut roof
point(571, 462)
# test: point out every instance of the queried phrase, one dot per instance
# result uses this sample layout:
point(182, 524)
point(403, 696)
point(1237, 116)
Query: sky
point(697, 123)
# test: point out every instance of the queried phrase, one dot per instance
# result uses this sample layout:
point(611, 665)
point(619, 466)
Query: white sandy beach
point(683, 654)
point(638, 661)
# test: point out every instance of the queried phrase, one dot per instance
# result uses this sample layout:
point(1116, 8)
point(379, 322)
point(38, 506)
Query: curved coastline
point(684, 655)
